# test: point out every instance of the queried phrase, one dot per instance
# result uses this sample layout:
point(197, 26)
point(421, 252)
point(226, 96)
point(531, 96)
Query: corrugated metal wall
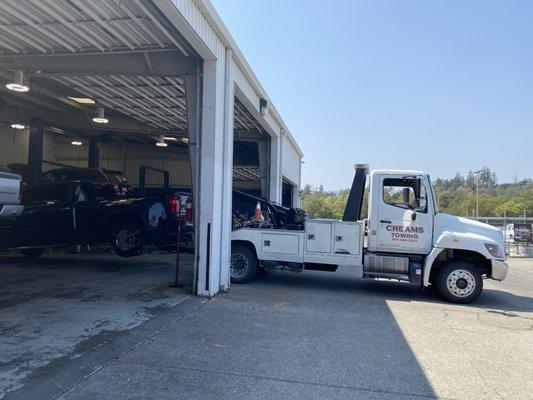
point(127, 159)
point(247, 185)
point(57, 149)
point(13, 145)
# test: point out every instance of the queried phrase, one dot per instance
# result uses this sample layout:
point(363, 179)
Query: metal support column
point(193, 103)
point(35, 150)
point(94, 153)
point(262, 148)
point(275, 168)
point(227, 172)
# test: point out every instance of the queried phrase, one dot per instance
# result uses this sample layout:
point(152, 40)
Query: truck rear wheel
point(33, 253)
point(459, 282)
point(126, 239)
point(243, 264)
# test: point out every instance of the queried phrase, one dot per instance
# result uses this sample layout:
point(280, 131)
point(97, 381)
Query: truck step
point(384, 275)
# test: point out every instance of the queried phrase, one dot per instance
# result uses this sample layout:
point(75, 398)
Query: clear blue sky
point(442, 86)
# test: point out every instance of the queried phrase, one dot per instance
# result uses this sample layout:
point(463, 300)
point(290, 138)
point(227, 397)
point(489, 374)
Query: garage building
point(177, 94)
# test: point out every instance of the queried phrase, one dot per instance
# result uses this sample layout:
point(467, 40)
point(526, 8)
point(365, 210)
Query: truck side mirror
point(405, 197)
point(422, 204)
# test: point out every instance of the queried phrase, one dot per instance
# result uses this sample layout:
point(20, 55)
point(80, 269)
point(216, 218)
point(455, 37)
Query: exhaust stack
point(352, 212)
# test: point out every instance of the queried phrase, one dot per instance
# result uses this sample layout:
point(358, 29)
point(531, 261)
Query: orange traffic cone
point(258, 213)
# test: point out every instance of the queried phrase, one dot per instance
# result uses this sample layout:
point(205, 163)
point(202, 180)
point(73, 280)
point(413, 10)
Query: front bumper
point(499, 270)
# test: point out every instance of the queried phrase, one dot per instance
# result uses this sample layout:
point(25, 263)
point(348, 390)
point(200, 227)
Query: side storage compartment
point(281, 245)
point(346, 239)
point(273, 244)
point(333, 242)
point(318, 237)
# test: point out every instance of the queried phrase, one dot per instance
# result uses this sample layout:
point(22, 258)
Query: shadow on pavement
point(391, 290)
point(312, 336)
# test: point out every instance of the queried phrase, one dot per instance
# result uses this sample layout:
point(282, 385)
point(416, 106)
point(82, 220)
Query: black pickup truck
point(68, 213)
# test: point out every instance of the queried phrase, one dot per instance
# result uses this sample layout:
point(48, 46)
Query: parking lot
point(75, 328)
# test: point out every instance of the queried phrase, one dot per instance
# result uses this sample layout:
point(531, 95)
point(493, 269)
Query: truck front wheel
point(243, 264)
point(459, 282)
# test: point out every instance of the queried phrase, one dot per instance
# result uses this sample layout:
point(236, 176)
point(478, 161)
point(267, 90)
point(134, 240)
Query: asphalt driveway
point(314, 336)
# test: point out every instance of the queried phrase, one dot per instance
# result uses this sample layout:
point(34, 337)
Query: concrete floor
point(310, 336)
point(61, 304)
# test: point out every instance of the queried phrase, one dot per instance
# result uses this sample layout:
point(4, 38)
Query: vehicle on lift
point(11, 189)
point(108, 182)
point(72, 213)
point(405, 237)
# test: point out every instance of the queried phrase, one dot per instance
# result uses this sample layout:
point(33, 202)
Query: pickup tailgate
point(9, 188)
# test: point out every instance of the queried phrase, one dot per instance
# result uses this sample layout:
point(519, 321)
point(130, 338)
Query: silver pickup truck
point(10, 195)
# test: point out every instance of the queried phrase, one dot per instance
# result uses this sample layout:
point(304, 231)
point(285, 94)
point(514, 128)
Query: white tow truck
point(405, 237)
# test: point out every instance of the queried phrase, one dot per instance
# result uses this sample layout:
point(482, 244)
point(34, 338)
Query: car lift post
point(177, 283)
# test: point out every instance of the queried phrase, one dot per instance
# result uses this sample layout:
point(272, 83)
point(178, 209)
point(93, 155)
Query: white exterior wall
point(290, 162)
point(213, 199)
point(127, 159)
point(291, 168)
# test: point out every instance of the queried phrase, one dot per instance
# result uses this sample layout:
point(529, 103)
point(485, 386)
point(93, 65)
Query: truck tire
point(127, 239)
point(243, 264)
point(33, 253)
point(459, 282)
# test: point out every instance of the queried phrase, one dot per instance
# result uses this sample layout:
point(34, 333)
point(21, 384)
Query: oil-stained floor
point(51, 305)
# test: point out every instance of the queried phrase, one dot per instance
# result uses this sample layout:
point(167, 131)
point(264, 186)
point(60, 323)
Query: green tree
point(456, 196)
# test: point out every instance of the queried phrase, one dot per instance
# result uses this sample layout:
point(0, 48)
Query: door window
point(82, 176)
point(406, 193)
point(48, 193)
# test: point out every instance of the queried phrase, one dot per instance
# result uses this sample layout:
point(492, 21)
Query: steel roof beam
point(139, 22)
point(104, 101)
point(76, 27)
point(169, 63)
point(162, 28)
point(102, 22)
point(26, 16)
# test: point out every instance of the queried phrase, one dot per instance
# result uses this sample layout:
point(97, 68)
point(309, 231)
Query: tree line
point(455, 196)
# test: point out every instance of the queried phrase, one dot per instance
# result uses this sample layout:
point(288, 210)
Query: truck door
point(88, 214)
point(47, 218)
point(405, 220)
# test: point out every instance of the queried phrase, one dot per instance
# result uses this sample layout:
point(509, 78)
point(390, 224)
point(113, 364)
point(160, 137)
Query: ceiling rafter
point(33, 32)
point(80, 26)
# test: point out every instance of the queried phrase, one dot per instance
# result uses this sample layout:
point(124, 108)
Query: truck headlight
point(494, 250)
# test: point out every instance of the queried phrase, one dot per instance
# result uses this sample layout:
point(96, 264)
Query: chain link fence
point(517, 234)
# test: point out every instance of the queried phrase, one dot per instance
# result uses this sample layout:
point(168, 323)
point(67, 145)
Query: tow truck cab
point(405, 237)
